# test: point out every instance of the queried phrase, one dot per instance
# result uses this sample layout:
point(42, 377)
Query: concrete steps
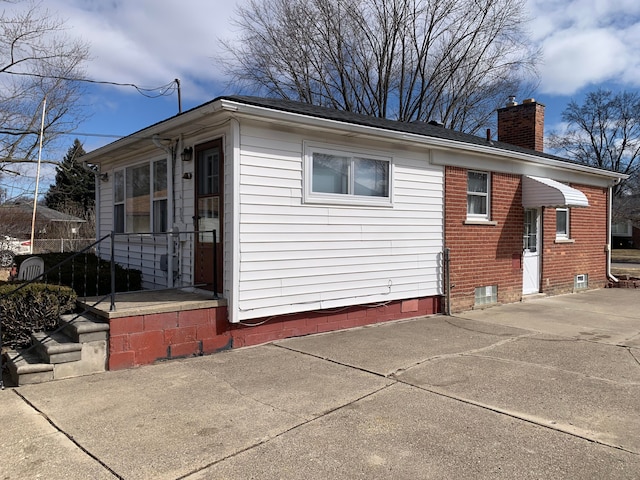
point(79, 348)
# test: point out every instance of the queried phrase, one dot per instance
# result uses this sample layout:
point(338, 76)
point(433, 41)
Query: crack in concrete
point(284, 432)
point(549, 424)
point(69, 436)
point(554, 369)
point(633, 355)
point(249, 396)
point(459, 354)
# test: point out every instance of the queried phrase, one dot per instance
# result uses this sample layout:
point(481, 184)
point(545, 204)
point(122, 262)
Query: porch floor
point(151, 301)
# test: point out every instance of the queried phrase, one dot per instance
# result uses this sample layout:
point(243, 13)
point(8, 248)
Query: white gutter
point(431, 142)
point(170, 127)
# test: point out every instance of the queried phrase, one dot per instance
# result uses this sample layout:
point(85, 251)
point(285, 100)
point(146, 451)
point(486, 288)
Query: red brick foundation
point(144, 339)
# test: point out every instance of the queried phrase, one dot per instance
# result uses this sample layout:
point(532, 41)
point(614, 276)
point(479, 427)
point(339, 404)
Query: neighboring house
point(326, 219)
point(624, 234)
point(16, 219)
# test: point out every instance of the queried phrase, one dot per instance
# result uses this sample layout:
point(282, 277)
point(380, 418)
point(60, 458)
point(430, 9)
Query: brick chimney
point(522, 125)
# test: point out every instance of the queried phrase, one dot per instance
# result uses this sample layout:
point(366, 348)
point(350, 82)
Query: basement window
point(581, 282)
point(486, 295)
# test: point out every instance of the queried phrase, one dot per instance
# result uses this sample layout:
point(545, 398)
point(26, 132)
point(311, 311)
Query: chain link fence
point(60, 245)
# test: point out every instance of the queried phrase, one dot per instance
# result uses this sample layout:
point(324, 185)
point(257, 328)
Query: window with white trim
point(562, 223)
point(478, 205)
point(140, 198)
point(335, 176)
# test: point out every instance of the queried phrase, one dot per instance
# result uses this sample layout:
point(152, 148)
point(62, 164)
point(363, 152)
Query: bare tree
point(37, 61)
point(452, 61)
point(604, 132)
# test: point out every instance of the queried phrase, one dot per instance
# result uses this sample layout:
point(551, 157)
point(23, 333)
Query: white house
point(307, 219)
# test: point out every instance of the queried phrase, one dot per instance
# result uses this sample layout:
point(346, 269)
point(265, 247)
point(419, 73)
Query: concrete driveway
point(547, 389)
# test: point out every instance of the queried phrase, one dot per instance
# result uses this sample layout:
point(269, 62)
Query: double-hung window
point(335, 176)
point(140, 198)
point(562, 223)
point(478, 205)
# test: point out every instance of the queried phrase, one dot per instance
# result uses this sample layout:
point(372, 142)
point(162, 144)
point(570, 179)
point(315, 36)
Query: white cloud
point(569, 66)
point(150, 42)
point(586, 42)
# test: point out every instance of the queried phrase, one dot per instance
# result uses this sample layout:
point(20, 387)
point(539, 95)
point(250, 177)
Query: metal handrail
point(112, 294)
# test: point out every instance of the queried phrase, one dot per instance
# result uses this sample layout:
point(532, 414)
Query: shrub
point(87, 274)
point(33, 308)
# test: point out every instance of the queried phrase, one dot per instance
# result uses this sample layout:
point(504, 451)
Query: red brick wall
point(143, 339)
point(586, 254)
point(482, 255)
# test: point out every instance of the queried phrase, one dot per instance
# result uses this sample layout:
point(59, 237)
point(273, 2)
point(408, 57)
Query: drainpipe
point(609, 217)
point(96, 205)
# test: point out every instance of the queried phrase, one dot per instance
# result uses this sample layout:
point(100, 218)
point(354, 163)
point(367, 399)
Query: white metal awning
point(544, 192)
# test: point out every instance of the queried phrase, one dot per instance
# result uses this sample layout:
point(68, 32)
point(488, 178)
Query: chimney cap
point(512, 101)
point(529, 100)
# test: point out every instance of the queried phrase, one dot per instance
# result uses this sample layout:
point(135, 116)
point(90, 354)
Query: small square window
point(478, 195)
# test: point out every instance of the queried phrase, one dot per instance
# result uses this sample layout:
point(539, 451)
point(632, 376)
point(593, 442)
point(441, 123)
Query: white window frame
point(486, 195)
point(155, 198)
point(119, 202)
point(566, 234)
point(349, 198)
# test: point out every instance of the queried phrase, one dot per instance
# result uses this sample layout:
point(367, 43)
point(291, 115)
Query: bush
point(33, 308)
point(85, 272)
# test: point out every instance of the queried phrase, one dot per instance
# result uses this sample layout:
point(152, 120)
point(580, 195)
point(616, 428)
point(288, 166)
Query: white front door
point(531, 252)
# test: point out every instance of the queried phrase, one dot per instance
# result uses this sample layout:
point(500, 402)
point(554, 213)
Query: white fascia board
point(599, 177)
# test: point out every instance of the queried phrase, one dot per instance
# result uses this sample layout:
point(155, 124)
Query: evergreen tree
point(74, 189)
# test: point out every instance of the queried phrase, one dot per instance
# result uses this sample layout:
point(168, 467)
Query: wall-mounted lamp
point(104, 177)
point(186, 175)
point(187, 154)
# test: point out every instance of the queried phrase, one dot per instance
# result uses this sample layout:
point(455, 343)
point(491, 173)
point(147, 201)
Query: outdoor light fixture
point(104, 177)
point(186, 154)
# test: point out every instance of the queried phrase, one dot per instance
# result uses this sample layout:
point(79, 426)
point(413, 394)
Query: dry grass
point(628, 255)
point(625, 256)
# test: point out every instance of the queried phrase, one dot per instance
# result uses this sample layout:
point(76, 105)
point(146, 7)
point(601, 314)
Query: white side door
point(531, 252)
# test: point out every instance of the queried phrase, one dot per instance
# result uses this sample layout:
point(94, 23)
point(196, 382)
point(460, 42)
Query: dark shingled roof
point(417, 128)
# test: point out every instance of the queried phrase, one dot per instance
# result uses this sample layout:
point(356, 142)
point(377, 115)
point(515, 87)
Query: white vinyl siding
point(297, 257)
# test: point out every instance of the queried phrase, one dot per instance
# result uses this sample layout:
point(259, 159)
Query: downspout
point(96, 205)
point(609, 217)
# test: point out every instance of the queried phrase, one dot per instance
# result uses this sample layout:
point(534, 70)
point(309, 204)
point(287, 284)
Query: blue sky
point(585, 44)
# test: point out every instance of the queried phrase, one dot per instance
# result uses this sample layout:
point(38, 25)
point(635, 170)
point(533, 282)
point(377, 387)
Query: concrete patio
point(543, 389)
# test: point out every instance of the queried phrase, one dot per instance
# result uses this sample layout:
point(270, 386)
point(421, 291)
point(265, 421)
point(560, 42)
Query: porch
point(150, 325)
point(149, 302)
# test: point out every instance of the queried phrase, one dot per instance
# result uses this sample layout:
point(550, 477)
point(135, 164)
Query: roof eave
point(431, 142)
